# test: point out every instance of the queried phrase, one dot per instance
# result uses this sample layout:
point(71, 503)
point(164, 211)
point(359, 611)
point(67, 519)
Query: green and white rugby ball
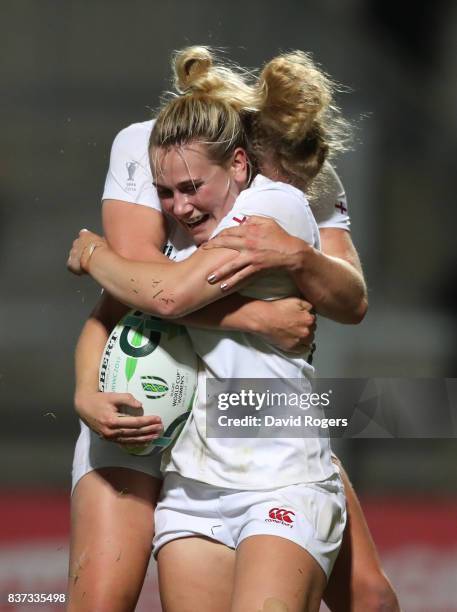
point(154, 360)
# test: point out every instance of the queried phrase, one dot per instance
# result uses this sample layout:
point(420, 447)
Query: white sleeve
point(129, 175)
point(286, 205)
point(330, 207)
point(291, 211)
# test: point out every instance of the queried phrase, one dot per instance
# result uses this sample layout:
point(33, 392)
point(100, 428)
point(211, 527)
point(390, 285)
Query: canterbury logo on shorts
point(281, 516)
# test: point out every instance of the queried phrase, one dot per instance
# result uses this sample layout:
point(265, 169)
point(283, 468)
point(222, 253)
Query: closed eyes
point(186, 187)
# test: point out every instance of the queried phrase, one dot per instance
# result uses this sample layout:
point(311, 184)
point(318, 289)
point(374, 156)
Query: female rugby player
point(308, 289)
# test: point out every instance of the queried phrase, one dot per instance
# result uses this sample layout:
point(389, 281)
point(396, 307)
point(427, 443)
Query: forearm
point(286, 324)
point(100, 411)
point(166, 289)
point(91, 343)
point(233, 313)
point(332, 284)
point(173, 290)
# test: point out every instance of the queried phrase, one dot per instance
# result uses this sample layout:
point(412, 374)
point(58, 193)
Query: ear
point(239, 167)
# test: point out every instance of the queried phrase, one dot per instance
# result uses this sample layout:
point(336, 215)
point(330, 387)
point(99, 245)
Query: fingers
point(230, 268)
point(308, 319)
point(125, 434)
point(304, 305)
point(231, 238)
point(123, 399)
point(73, 263)
point(235, 231)
point(236, 243)
point(85, 237)
point(122, 421)
point(301, 343)
point(137, 440)
point(146, 434)
point(73, 267)
point(294, 325)
point(102, 414)
point(245, 237)
point(237, 238)
point(86, 234)
point(74, 258)
point(237, 280)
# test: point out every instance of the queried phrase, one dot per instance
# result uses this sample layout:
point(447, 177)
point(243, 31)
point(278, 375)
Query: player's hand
point(262, 245)
point(105, 414)
point(288, 324)
point(82, 250)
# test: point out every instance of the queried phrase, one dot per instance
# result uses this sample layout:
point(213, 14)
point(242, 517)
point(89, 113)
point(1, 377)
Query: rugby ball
point(154, 360)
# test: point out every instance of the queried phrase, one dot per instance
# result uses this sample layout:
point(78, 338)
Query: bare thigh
point(273, 574)
point(112, 525)
point(357, 582)
point(196, 574)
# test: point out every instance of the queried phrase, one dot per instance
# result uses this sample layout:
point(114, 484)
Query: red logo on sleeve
point(240, 221)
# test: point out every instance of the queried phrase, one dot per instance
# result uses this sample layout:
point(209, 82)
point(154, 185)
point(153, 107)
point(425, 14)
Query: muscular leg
point(273, 574)
point(111, 533)
point(357, 583)
point(195, 574)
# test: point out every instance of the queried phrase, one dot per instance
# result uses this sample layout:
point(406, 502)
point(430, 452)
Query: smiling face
point(194, 190)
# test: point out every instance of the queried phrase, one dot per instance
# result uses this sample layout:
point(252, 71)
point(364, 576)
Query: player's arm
point(130, 229)
point(138, 233)
point(331, 279)
point(288, 324)
point(172, 290)
point(167, 289)
point(100, 410)
point(340, 283)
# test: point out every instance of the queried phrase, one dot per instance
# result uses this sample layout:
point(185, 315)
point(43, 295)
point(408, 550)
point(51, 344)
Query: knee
point(375, 594)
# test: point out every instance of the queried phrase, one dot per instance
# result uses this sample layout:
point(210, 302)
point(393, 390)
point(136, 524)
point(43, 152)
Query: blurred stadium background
point(73, 74)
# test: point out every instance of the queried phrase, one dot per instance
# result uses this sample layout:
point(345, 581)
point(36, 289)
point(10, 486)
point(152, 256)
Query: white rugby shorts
point(313, 515)
point(92, 452)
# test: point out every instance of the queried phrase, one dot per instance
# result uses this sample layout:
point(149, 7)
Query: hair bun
point(190, 65)
point(294, 92)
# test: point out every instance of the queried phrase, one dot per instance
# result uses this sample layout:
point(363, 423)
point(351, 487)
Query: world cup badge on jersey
point(131, 169)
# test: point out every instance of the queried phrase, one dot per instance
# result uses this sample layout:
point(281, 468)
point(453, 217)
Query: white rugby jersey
point(129, 179)
point(249, 463)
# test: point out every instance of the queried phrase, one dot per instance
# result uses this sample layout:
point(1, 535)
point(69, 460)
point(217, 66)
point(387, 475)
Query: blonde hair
point(211, 106)
point(287, 112)
point(297, 124)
